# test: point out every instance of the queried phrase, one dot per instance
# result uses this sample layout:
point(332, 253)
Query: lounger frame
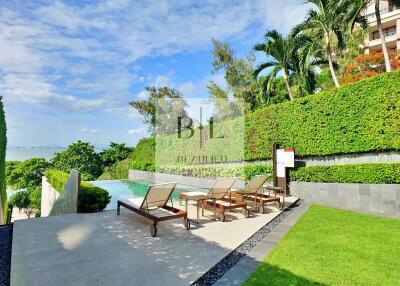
point(145, 212)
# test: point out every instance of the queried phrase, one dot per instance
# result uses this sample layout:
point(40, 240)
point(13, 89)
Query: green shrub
point(3, 144)
point(56, 179)
point(117, 171)
point(143, 166)
point(251, 171)
point(245, 173)
point(361, 173)
point(144, 152)
point(90, 198)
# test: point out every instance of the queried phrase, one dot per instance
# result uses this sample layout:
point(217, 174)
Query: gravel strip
point(218, 270)
point(5, 253)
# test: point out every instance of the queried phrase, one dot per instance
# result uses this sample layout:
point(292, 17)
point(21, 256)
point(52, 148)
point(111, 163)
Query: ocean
point(23, 153)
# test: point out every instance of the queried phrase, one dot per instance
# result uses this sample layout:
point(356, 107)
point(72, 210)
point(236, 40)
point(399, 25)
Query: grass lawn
point(334, 247)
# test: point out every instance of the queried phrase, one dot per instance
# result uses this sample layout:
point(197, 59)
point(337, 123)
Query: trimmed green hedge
point(56, 179)
point(117, 171)
point(361, 173)
point(358, 117)
point(3, 144)
point(90, 198)
point(245, 173)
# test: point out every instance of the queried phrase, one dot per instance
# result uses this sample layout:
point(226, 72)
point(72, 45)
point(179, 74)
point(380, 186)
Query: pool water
point(131, 189)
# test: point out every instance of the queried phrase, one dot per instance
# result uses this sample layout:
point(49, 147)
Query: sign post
point(282, 159)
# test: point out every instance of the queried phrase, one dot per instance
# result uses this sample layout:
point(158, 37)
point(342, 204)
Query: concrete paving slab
point(106, 249)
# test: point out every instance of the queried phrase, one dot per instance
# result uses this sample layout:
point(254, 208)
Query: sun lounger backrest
point(158, 195)
point(256, 183)
point(221, 187)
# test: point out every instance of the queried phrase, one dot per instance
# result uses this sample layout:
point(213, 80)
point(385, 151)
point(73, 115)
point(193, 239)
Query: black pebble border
point(6, 232)
point(226, 263)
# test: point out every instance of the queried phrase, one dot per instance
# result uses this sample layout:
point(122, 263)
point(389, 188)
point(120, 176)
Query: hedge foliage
point(360, 173)
point(358, 117)
point(90, 198)
point(3, 144)
point(245, 173)
point(117, 171)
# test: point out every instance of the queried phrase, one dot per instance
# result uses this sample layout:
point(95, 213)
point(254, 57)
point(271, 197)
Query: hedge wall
point(358, 117)
point(361, 173)
point(90, 198)
point(3, 144)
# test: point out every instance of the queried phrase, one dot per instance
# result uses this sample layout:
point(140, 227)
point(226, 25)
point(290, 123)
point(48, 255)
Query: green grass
point(334, 247)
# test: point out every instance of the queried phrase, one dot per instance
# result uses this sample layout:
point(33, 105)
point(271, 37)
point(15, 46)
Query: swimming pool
point(132, 189)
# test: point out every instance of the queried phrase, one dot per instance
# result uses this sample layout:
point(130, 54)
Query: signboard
point(284, 159)
point(285, 156)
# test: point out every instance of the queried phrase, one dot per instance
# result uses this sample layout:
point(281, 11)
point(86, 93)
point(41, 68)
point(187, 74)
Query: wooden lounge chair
point(154, 206)
point(253, 193)
point(215, 198)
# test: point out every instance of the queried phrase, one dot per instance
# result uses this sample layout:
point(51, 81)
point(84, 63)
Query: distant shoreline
point(21, 153)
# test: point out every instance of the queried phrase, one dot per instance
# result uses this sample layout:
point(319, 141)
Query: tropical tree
point(353, 12)
point(281, 50)
point(160, 109)
point(79, 156)
point(324, 23)
point(115, 153)
point(238, 74)
point(27, 174)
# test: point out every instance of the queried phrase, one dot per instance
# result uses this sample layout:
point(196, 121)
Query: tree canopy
point(79, 156)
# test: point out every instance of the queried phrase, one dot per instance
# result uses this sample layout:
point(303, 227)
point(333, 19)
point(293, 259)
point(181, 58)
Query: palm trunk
point(330, 61)
point(299, 83)
point(382, 36)
point(286, 79)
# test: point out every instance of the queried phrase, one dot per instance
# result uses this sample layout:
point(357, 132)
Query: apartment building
point(390, 16)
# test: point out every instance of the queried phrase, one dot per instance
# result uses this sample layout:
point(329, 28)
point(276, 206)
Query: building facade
point(390, 17)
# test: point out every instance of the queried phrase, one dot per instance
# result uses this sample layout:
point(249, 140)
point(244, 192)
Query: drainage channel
point(226, 263)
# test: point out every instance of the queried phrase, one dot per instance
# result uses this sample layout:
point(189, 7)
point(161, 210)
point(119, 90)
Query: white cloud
point(136, 130)
point(80, 58)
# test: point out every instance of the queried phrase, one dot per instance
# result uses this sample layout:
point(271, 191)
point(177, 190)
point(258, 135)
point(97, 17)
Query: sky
point(68, 69)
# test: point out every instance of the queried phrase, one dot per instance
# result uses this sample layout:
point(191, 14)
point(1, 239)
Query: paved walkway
point(247, 264)
point(106, 249)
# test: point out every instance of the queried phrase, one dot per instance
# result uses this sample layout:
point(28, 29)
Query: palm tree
point(324, 23)
point(353, 11)
point(281, 50)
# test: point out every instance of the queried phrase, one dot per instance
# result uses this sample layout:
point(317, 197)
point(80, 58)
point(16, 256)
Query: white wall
point(49, 196)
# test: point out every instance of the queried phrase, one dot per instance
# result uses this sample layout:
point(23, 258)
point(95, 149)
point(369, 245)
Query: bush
point(90, 198)
point(117, 171)
point(56, 179)
point(251, 171)
point(144, 152)
point(245, 173)
point(143, 166)
point(362, 173)
point(3, 144)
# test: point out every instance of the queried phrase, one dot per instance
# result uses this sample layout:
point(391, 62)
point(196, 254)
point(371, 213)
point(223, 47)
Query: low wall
point(374, 198)
point(49, 196)
point(184, 180)
point(65, 202)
